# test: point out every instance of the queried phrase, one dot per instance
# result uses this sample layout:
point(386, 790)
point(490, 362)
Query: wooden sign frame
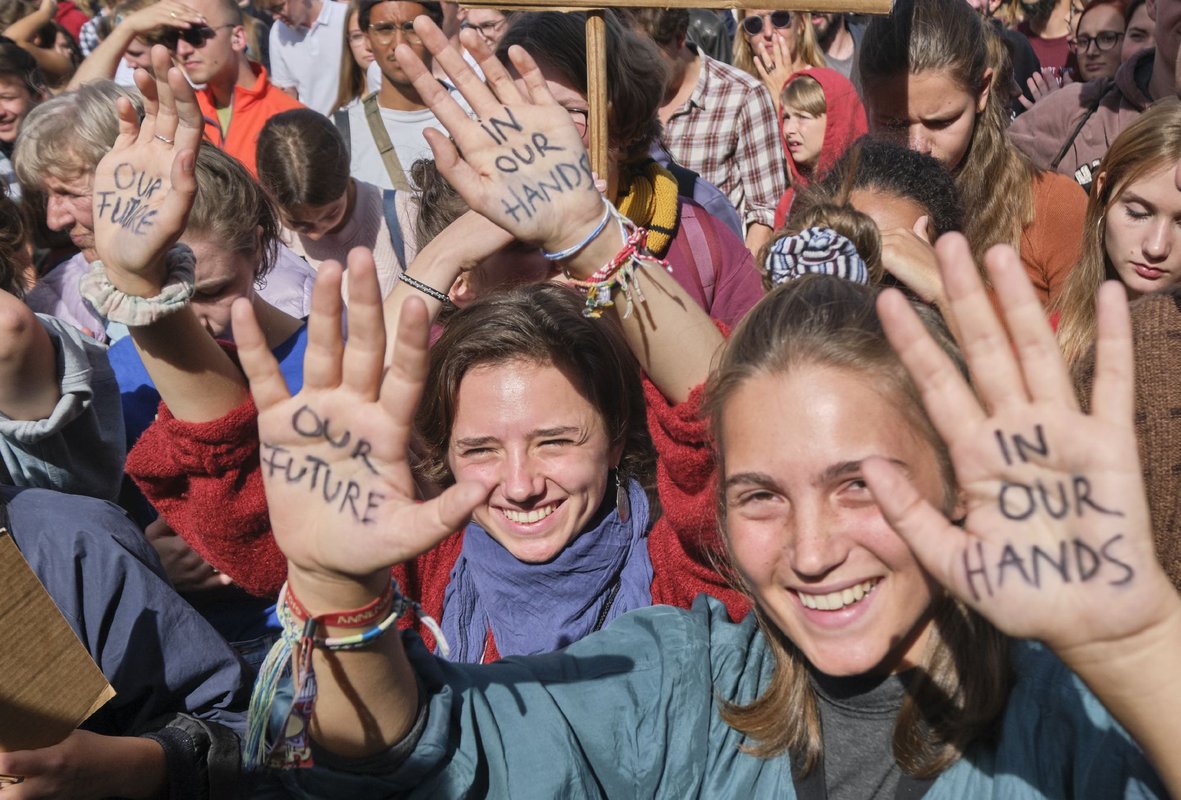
point(596, 41)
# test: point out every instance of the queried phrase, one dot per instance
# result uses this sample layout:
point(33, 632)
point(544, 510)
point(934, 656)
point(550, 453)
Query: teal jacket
point(632, 712)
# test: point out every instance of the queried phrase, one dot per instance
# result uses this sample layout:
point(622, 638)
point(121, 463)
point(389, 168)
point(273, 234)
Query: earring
point(623, 502)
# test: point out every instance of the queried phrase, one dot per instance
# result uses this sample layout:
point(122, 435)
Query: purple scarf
point(538, 608)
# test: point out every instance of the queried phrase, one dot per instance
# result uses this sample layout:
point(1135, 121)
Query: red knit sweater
point(205, 480)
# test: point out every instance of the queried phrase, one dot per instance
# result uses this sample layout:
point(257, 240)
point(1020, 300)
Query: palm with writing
point(1056, 543)
point(522, 163)
point(144, 187)
point(346, 435)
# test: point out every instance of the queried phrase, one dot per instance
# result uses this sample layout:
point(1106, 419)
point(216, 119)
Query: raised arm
point(549, 198)
point(103, 61)
point(1043, 481)
point(24, 32)
point(143, 191)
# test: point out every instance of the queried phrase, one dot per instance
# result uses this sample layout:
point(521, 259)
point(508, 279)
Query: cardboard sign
point(50, 683)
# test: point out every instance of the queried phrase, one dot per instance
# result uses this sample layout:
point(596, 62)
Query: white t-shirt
point(309, 59)
point(405, 129)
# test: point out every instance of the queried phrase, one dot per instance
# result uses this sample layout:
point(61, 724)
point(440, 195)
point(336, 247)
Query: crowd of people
point(824, 444)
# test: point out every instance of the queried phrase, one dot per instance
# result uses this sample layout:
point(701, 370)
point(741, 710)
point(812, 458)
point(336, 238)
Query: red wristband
point(364, 617)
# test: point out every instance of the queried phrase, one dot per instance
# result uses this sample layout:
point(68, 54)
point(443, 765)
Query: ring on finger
point(164, 139)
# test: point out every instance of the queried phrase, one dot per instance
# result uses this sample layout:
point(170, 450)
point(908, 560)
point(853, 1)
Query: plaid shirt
point(727, 133)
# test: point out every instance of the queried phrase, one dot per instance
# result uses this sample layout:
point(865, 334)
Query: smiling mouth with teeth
point(835, 601)
point(529, 517)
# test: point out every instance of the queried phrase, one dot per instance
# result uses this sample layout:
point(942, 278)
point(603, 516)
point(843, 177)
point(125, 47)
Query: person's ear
point(461, 293)
point(238, 39)
point(1100, 181)
point(1150, 7)
point(985, 90)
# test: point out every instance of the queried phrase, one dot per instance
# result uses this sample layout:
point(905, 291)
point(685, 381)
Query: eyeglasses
point(195, 36)
point(385, 32)
point(581, 118)
point(1104, 41)
point(753, 26)
point(486, 29)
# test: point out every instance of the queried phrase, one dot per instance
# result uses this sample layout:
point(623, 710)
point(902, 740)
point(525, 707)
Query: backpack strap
point(340, 119)
point(703, 249)
point(381, 137)
point(389, 198)
point(686, 178)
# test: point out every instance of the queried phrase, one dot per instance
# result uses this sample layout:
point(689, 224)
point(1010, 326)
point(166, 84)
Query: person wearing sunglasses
point(772, 45)
point(1097, 41)
point(237, 97)
point(127, 46)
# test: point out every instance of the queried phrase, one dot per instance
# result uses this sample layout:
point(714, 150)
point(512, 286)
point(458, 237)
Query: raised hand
point(144, 187)
point(521, 163)
point(334, 457)
point(1055, 544)
point(162, 15)
point(775, 65)
point(909, 257)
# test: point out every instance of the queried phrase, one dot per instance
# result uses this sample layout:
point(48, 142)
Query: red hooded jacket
point(844, 123)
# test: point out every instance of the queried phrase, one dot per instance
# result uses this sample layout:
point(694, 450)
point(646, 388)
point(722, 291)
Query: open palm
point(334, 456)
point(144, 186)
point(1055, 545)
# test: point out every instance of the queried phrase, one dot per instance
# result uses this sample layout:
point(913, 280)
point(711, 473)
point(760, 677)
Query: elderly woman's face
point(803, 529)
point(525, 432)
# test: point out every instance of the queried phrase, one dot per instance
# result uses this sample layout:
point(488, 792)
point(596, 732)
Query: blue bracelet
point(569, 252)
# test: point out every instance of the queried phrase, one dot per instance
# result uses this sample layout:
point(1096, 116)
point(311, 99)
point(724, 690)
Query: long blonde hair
point(1151, 143)
point(807, 49)
point(965, 677)
point(994, 179)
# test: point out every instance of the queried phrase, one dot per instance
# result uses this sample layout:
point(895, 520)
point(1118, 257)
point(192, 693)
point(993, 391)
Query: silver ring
point(164, 139)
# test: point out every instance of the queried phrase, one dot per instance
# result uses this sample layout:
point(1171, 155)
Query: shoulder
point(1056, 738)
point(1055, 188)
point(738, 80)
point(1055, 110)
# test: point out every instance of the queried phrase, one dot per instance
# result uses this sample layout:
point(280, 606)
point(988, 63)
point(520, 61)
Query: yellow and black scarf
point(651, 202)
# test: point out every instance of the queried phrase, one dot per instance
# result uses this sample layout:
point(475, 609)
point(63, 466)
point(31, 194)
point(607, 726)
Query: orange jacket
point(252, 106)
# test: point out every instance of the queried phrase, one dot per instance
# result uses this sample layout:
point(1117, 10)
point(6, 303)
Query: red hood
point(844, 121)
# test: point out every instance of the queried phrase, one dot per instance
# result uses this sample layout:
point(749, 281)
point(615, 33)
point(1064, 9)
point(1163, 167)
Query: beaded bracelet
point(621, 272)
point(574, 250)
point(429, 291)
point(132, 311)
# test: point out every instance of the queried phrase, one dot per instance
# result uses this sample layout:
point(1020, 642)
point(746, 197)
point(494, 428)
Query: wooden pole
point(596, 89)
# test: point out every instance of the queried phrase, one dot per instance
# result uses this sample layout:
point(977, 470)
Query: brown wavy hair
point(994, 179)
point(965, 677)
point(1151, 143)
point(539, 323)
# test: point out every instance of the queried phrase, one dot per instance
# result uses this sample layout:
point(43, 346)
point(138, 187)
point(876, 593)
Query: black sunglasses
point(195, 36)
point(753, 26)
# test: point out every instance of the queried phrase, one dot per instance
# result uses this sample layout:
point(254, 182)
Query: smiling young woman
point(843, 460)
